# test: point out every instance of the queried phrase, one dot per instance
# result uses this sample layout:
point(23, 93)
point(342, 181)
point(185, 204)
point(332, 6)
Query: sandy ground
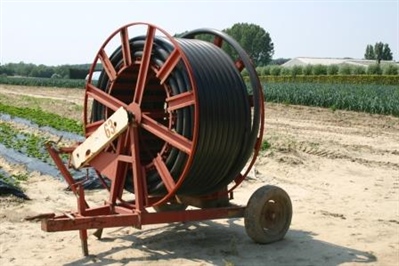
point(341, 170)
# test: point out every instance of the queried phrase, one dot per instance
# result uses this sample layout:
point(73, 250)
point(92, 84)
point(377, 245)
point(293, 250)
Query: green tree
point(6, 70)
point(370, 55)
point(252, 38)
point(386, 53)
point(379, 51)
point(255, 41)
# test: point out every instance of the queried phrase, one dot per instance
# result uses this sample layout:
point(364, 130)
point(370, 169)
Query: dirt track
point(341, 170)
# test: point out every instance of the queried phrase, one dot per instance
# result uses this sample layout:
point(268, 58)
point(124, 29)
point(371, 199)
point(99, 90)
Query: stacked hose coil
point(223, 124)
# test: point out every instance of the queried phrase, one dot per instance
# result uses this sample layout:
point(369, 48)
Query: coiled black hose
point(225, 139)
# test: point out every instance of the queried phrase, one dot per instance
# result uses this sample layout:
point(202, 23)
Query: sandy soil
point(341, 170)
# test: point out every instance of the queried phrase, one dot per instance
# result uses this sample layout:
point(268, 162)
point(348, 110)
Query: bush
point(285, 71)
point(296, 70)
point(345, 69)
point(359, 70)
point(390, 70)
point(275, 70)
point(374, 69)
point(258, 71)
point(332, 70)
point(319, 70)
point(307, 70)
point(265, 71)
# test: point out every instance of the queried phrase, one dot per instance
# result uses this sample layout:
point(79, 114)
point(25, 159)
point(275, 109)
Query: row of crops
point(42, 118)
point(23, 142)
point(375, 99)
point(29, 143)
point(23, 134)
point(291, 78)
point(372, 94)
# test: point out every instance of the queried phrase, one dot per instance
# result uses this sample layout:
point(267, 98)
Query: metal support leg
point(83, 240)
point(98, 233)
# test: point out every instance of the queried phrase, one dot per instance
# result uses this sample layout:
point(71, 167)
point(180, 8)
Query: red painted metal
point(218, 41)
point(239, 65)
point(181, 100)
point(107, 65)
point(126, 47)
point(144, 66)
point(169, 65)
point(167, 134)
point(117, 159)
point(64, 223)
point(144, 119)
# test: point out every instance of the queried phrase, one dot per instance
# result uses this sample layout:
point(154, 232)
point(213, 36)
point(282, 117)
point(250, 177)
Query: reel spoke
point(164, 173)
point(127, 57)
point(144, 66)
point(169, 65)
point(107, 65)
point(104, 98)
point(166, 134)
point(180, 101)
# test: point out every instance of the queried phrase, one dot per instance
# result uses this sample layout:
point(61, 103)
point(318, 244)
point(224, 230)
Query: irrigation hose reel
point(175, 127)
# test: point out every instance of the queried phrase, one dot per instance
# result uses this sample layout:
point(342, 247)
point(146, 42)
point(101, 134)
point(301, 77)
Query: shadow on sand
point(221, 244)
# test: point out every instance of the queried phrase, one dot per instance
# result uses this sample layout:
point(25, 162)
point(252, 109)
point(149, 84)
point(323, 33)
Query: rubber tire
point(170, 207)
point(268, 214)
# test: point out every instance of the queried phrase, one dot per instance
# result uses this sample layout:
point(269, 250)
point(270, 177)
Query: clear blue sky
point(71, 32)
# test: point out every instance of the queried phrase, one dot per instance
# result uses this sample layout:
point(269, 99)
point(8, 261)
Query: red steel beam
point(136, 220)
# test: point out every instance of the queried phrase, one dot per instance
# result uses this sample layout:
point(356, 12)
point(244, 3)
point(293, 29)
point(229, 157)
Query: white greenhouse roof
point(302, 61)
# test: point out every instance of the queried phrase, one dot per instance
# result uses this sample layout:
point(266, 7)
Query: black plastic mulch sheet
point(8, 189)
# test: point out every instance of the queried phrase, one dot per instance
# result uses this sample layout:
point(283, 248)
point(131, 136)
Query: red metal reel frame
point(117, 212)
point(112, 166)
point(242, 62)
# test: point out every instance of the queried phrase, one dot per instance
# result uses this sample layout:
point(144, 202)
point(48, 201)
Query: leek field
point(373, 98)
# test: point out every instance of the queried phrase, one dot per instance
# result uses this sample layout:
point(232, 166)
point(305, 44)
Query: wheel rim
point(274, 216)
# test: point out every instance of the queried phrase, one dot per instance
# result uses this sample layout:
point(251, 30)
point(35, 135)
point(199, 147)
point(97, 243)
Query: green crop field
point(375, 99)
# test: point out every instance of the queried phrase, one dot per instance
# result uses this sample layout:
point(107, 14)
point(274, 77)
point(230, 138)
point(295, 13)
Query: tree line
point(42, 71)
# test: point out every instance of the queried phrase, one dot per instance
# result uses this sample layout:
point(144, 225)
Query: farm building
point(303, 61)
